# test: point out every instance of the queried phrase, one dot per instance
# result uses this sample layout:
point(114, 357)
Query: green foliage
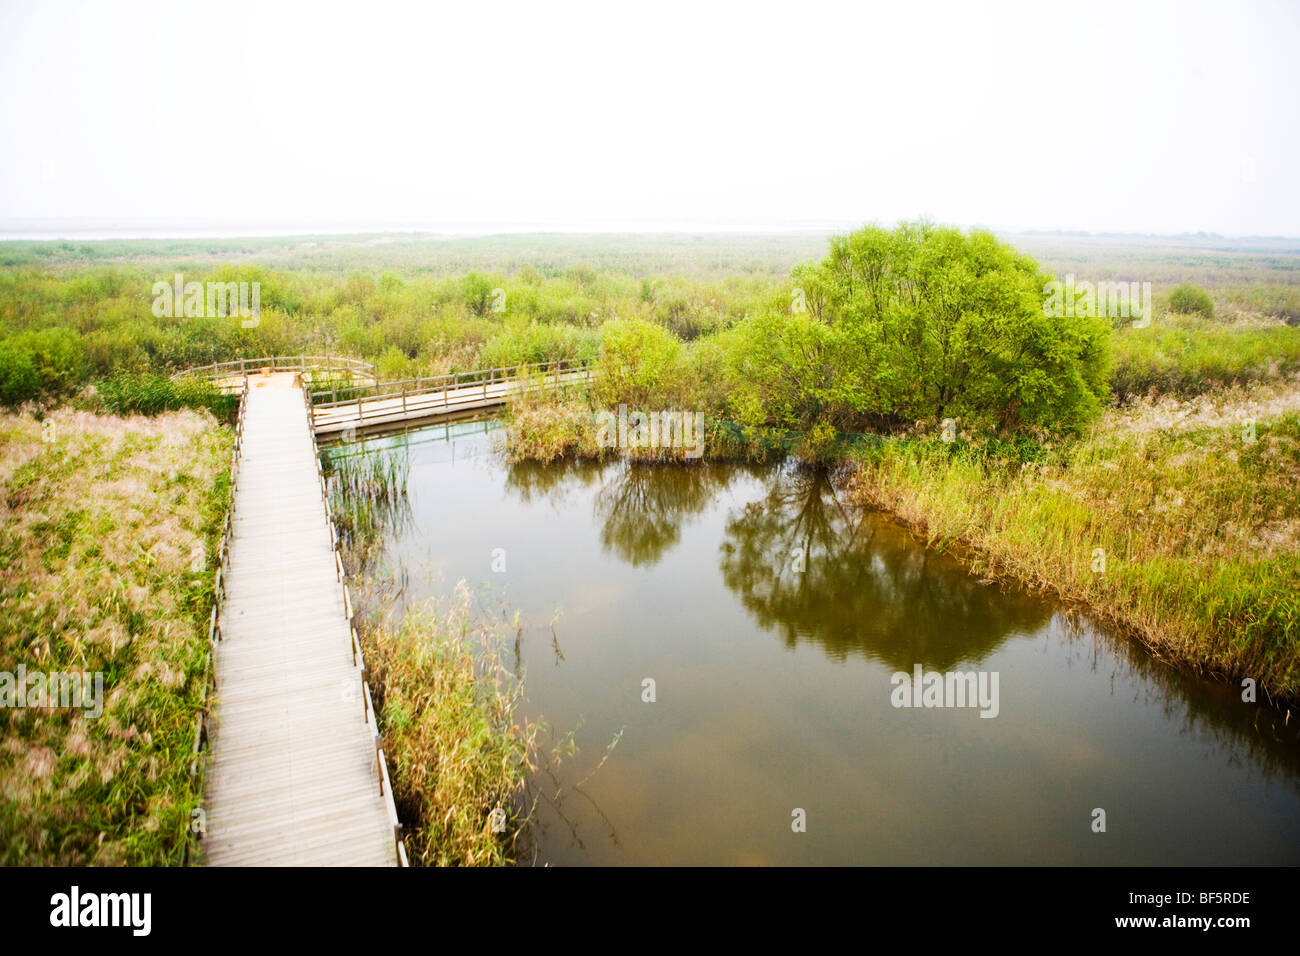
point(534, 342)
point(1191, 299)
point(477, 292)
point(19, 380)
point(1171, 359)
point(58, 356)
point(149, 394)
point(903, 325)
point(920, 323)
point(792, 372)
point(640, 365)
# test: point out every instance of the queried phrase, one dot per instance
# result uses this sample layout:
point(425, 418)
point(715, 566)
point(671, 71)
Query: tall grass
point(1200, 528)
point(1189, 357)
point(108, 528)
point(149, 394)
point(368, 497)
point(547, 426)
point(448, 711)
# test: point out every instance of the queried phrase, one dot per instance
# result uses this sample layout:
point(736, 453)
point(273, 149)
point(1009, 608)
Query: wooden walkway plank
point(293, 777)
point(388, 409)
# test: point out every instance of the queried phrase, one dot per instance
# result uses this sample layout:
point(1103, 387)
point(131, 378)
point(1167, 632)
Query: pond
point(734, 646)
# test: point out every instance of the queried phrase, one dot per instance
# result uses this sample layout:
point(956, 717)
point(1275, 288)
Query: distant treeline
point(718, 323)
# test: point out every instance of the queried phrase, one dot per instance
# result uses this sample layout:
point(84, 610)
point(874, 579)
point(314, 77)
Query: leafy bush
point(1191, 299)
point(477, 292)
point(640, 364)
point(58, 356)
point(19, 380)
point(536, 342)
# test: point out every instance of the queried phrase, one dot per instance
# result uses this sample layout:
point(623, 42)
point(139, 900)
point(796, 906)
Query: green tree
point(921, 323)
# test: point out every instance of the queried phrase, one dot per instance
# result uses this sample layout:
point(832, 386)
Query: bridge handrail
point(358, 661)
point(286, 362)
point(202, 736)
point(441, 383)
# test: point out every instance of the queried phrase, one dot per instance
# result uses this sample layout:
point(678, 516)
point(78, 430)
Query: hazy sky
point(1138, 117)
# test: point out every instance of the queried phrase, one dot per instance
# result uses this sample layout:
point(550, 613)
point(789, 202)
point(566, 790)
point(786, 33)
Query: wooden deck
point(370, 411)
point(294, 772)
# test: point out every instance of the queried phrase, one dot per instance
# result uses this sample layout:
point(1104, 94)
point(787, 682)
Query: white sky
point(1138, 117)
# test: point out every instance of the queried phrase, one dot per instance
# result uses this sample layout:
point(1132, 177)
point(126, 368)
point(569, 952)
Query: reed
point(447, 706)
point(448, 709)
point(108, 536)
point(1199, 526)
point(368, 497)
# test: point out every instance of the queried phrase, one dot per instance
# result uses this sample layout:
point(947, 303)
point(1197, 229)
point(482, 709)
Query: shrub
point(640, 364)
point(19, 380)
point(58, 356)
point(1189, 299)
point(537, 342)
point(476, 291)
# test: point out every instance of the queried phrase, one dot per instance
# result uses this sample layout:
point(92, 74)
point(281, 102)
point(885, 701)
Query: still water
point(771, 615)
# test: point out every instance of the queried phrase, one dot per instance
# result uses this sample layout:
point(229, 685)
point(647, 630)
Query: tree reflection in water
point(641, 507)
point(865, 588)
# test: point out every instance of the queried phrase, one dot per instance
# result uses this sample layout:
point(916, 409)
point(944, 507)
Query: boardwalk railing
point(368, 707)
point(456, 381)
point(387, 403)
point(281, 363)
point(209, 681)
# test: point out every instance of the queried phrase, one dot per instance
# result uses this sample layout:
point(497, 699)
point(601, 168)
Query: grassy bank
point(1199, 526)
point(1187, 356)
point(107, 531)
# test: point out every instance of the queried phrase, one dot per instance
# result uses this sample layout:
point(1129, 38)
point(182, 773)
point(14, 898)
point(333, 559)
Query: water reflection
point(809, 567)
point(774, 692)
point(1257, 735)
point(530, 481)
point(642, 507)
point(813, 568)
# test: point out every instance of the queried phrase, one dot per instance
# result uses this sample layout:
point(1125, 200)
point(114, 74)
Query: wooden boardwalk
point(294, 775)
point(372, 410)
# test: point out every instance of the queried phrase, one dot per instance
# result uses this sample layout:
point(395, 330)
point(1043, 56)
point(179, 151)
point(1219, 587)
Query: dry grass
point(106, 565)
